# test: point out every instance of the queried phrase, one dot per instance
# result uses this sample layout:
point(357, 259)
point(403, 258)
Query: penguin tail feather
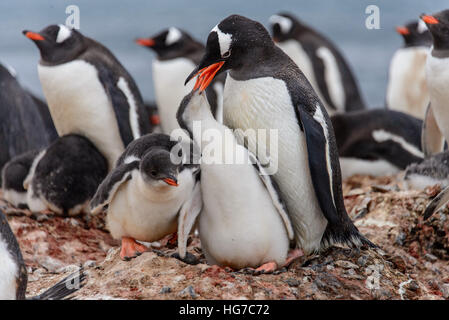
point(64, 288)
point(350, 237)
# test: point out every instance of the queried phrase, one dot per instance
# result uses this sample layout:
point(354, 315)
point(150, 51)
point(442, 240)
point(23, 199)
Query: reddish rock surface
point(411, 264)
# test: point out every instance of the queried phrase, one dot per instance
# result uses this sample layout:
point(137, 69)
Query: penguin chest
point(437, 74)
point(407, 87)
point(169, 77)
point(265, 103)
point(8, 272)
point(146, 213)
point(79, 104)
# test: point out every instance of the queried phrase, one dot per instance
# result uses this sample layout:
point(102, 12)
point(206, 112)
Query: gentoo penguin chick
point(431, 171)
point(148, 192)
point(13, 272)
point(243, 222)
point(320, 61)
point(177, 54)
point(13, 175)
point(22, 127)
point(377, 142)
point(265, 90)
point(64, 177)
point(88, 91)
point(407, 87)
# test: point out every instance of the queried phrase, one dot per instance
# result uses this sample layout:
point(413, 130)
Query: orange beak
point(403, 30)
point(171, 182)
point(145, 42)
point(429, 19)
point(206, 75)
point(34, 36)
point(154, 119)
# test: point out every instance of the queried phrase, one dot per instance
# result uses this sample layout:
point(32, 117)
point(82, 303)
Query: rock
point(165, 290)
point(188, 292)
point(346, 264)
point(189, 258)
point(292, 282)
point(89, 264)
point(430, 257)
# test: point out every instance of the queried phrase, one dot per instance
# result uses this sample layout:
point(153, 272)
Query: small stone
point(346, 264)
point(400, 239)
point(413, 286)
point(362, 260)
point(165, 290)
point(41, 217)
point(189, 258)
point(90, 264)
point(445, 290)
point(188, 292)
point(430, 257)
point(292, 282)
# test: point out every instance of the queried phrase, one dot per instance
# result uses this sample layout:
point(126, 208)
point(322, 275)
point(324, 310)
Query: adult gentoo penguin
point(239, 196)
point(88, 91)
point(148, 192)
point(265, 89)
point(377, 142)
point(22, 125)
point(407, 87)
point(436, 123)
point(13, 272)
point(320, 61)
point(177, 54)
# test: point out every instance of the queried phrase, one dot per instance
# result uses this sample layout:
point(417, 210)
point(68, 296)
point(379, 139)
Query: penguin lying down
point(243, 222)
point(13, 273)
point(61, 178)
point(377, 142)
point(150, 193)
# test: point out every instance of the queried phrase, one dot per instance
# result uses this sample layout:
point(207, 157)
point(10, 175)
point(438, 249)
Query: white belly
point(79, 104)
point(352, 166)
point(8, 273)
point(168, 78)
point(295, 51)
point(139, 212)
point(239, 224)
point(265, 103)
point(407, 88)
point(437, 74)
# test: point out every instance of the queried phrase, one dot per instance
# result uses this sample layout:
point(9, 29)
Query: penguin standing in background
point(13, 272)
point(266, 90)
point(22, 127)
point(148, 192)
point(177, 54)
point(88, 91)
point(377, 142)
point(239, 196)
point(320, 61)
point(407, 87)
point(436, 122)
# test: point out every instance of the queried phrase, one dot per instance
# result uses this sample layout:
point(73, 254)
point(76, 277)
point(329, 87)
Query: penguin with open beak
point(265, 89)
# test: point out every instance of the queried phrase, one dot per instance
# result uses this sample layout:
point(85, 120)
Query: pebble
point(90, 264)
point(362, 260)
point(430, 257)
point(188, 291)
point(292, 282)
point(165, 290)
point(346, 264)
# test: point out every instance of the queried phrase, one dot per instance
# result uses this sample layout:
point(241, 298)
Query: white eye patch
point(422, 27)
point(63, 34)
point(224, 40)
point(284, 23)
point(173, 36)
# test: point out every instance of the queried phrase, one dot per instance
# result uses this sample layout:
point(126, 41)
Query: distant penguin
point(13, 272)
point(148, 192)
point(14, 174)
point(377, 142)
point(64, 177)
point(243, 222)
point(407, 87)
point(22, 127)
point(265, 90)
point(320, 61)
point(177, 54)
point(88, 91)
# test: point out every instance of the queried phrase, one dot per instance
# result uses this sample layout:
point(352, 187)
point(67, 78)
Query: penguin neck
point(157, 191)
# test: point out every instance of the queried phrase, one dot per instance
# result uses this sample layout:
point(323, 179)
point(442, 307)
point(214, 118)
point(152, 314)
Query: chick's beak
point(171, 182)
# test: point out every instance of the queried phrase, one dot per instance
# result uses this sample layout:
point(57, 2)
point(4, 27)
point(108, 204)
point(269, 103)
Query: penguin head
point(170, 43)
point(438, 25)
point(231, 44)
point(158, 169)
point(57, 43)
point(415, 34)
point(283, 26)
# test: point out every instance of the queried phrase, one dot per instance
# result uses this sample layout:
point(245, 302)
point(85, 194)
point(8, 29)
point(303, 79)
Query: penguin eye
point(227, 54)
point(153, 173)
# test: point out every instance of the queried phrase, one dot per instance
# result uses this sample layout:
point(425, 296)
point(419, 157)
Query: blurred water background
point(117, 23)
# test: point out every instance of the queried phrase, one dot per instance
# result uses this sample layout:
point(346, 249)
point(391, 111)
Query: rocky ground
point(411, 264)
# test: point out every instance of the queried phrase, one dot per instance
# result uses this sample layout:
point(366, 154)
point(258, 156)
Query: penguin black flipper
point(64, 288)
point(326, 179)
point(432, 139)
point(440, 200)
point(110, 185)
